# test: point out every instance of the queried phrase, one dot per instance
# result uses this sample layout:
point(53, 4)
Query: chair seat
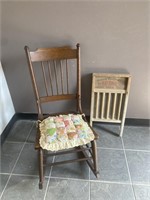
point(64, 132)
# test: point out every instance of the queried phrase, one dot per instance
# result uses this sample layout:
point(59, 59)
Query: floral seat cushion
point(64, 131)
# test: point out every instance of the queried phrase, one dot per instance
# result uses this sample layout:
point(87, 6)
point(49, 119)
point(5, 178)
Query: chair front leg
point(95, 160)
point(41, 170)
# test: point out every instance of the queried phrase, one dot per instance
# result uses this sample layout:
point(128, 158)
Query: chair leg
point(41, 171)
point(94, 149)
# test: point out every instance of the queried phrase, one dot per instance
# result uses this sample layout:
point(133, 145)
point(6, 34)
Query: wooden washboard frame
point(109, 98)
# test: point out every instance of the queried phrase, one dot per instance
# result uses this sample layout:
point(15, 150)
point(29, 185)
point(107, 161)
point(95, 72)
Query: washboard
point(109, 98)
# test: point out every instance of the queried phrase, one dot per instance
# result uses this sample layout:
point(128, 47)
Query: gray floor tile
point(109, 137)
point(112, 166)
point(23, 188)
point(9, 155)
point(78, 170)
point(68, 190)
point(136, 138)
point(142, 192)
point(139, 166)
point(108, 127)
point(3, 181)
point(32, 136)
point(20, 131)
point(105, 191)
point(28, 162)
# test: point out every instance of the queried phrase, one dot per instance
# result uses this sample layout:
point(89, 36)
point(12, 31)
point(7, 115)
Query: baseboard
point(129, 122)
point(27, 116)
point(7, 129)
point(137, 122)
point(34, 116)
point(17, 116)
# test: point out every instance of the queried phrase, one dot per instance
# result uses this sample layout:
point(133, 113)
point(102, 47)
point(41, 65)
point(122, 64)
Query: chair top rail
point(46, 54)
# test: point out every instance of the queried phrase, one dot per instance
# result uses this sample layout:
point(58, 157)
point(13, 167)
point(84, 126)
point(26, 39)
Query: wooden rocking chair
point(52, 79)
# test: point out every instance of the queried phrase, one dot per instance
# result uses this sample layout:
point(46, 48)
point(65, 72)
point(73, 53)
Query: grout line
point(89, 186)
point(128, 170)
point(3, 173)
point(49, 177)
point(28, 175)
point(110, 182)
point(5, 186)
point(72, 179)
point(97, 181)
point(16, 162)
point(134, 150)
point(13, 142)
point(107, 148)
point(13, 174)
point(141, 184)
point(30, 132)
point(30, 142)
point(82, 180)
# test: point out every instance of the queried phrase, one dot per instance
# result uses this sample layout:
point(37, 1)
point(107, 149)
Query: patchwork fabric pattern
point(64, 131)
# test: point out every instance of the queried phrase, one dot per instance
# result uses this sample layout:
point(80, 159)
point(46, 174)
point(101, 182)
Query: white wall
point(6, 105)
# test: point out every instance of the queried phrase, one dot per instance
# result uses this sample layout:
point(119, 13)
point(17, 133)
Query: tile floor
point(124, 165)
